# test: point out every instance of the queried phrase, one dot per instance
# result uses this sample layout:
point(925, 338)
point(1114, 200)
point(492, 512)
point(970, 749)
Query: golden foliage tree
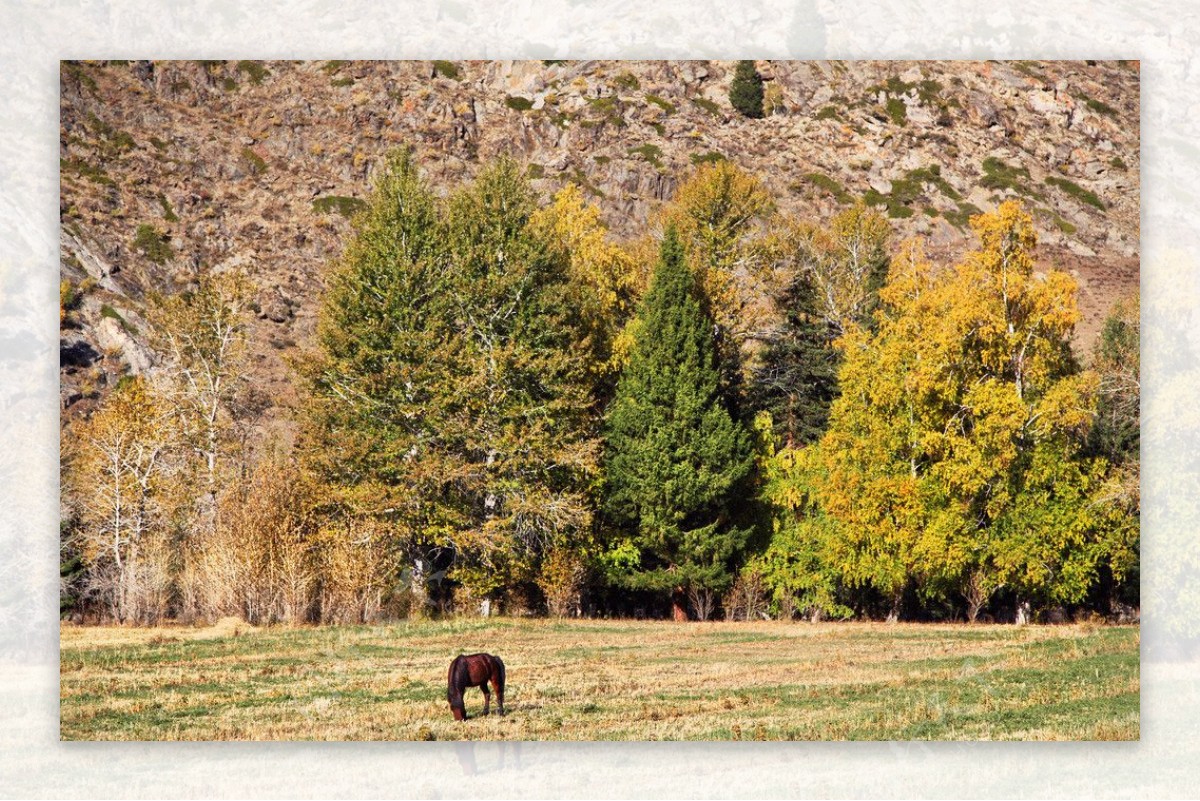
point(116, 473)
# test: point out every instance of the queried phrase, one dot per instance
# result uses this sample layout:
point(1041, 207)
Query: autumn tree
point(746, 90)
point(954, 454)
point(723, 216)
point(674, 452)
point(450, 397)
point(115, 471)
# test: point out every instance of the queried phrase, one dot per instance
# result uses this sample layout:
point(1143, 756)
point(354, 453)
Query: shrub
point(517, 103)
point(254, 70)
point(709, 106)
point(746, 90)
point(665, 105)
point(829, 186)
point(828, 113)
point(998, 175)
point(649, 152)
point(255, 162)
point(447, 69)
point(153, 244)
point(627, 81)
point(168, 213)
point(711, 157)
point(339, 204)
point(1076, 191)
point(897, 111)
point(535, 171)
point(77, 166)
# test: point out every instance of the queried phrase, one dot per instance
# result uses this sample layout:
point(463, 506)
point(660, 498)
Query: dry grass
point(604, 680)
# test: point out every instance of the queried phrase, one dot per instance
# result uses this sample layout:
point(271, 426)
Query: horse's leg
point(487, 698)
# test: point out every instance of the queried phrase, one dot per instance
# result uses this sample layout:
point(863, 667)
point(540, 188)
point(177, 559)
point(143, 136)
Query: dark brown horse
point(475, 670)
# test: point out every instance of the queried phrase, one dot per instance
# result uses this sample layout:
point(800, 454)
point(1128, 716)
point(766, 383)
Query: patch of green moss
point(254, 70)
point(998, 175)
point(627, 81)
point(665, 105)
point(338, 204)
point(77, 166)
point(168, 212)
point(447, 69)
point(962, 216)
point(709, 157)
point(1076, 191)
point(649, 152)
point(829, 186)
point(255, 162)
point(153, 244)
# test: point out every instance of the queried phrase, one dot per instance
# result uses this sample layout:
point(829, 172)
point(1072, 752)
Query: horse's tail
point(454, 684)
point(500, 667)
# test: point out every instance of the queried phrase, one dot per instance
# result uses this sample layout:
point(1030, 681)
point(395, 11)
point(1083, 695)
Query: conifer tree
point(674, 451)
point(746, 90)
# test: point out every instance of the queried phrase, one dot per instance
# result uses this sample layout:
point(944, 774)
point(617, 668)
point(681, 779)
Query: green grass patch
point(1118, 163)
point(338, 204)
point(153, 244)
point(897, 111)
point(168, 213)
point(999, 175)
point(707, 157)
point(708, 105)
point(627, 81)
point(1098, 106)
point(113, 314)
point(447, 69)
point(961, 217)
point(254, 70)
point(1076, 191)
point(608, 110)
point(662, 103)
point(649, 152)
point(84, 169)
point(829, 186)
point(518, 103)
point(254, 162)
point(828, 113)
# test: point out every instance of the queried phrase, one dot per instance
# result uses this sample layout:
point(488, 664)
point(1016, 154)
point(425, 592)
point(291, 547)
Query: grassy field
point(604, 680)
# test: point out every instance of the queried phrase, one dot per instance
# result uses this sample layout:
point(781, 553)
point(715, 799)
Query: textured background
point(37, 34)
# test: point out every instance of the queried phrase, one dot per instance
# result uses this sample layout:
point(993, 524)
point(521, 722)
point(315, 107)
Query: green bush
point(709, 106)
point(517, 103)
point(649, 152)
point(168, 213)
point(1076, 191)
point(254, 70)
point(998, 175)
point(828, 113)
point(711, 157)
point(447, 69)
point(627, 81)
point(338, 204)
point(665, 105)
point(746, 90)
point(829, 186)
point(897, 111)
point(153, 244)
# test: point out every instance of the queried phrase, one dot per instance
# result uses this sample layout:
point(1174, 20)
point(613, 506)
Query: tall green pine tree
point(675, 453)
point(746, 90)
point(797, 380)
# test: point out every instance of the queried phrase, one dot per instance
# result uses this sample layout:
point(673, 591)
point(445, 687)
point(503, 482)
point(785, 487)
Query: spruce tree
point(746, 90)
point(674, 451)
point(797, 380)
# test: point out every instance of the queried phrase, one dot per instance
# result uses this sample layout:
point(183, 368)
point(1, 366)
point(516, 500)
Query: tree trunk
point(678, 605)
point(894, 613)
point(1023, 613)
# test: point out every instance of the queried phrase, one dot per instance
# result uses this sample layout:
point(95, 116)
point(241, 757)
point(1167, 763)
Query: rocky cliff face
point(172, 166)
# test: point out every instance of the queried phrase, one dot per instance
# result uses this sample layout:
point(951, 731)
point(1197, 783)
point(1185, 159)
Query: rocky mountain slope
point(172, 166)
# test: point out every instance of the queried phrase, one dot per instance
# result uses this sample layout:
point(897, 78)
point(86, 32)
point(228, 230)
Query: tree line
point(737, 413)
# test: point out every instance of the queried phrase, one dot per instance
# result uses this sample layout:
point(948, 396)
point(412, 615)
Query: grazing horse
point(475, 670)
